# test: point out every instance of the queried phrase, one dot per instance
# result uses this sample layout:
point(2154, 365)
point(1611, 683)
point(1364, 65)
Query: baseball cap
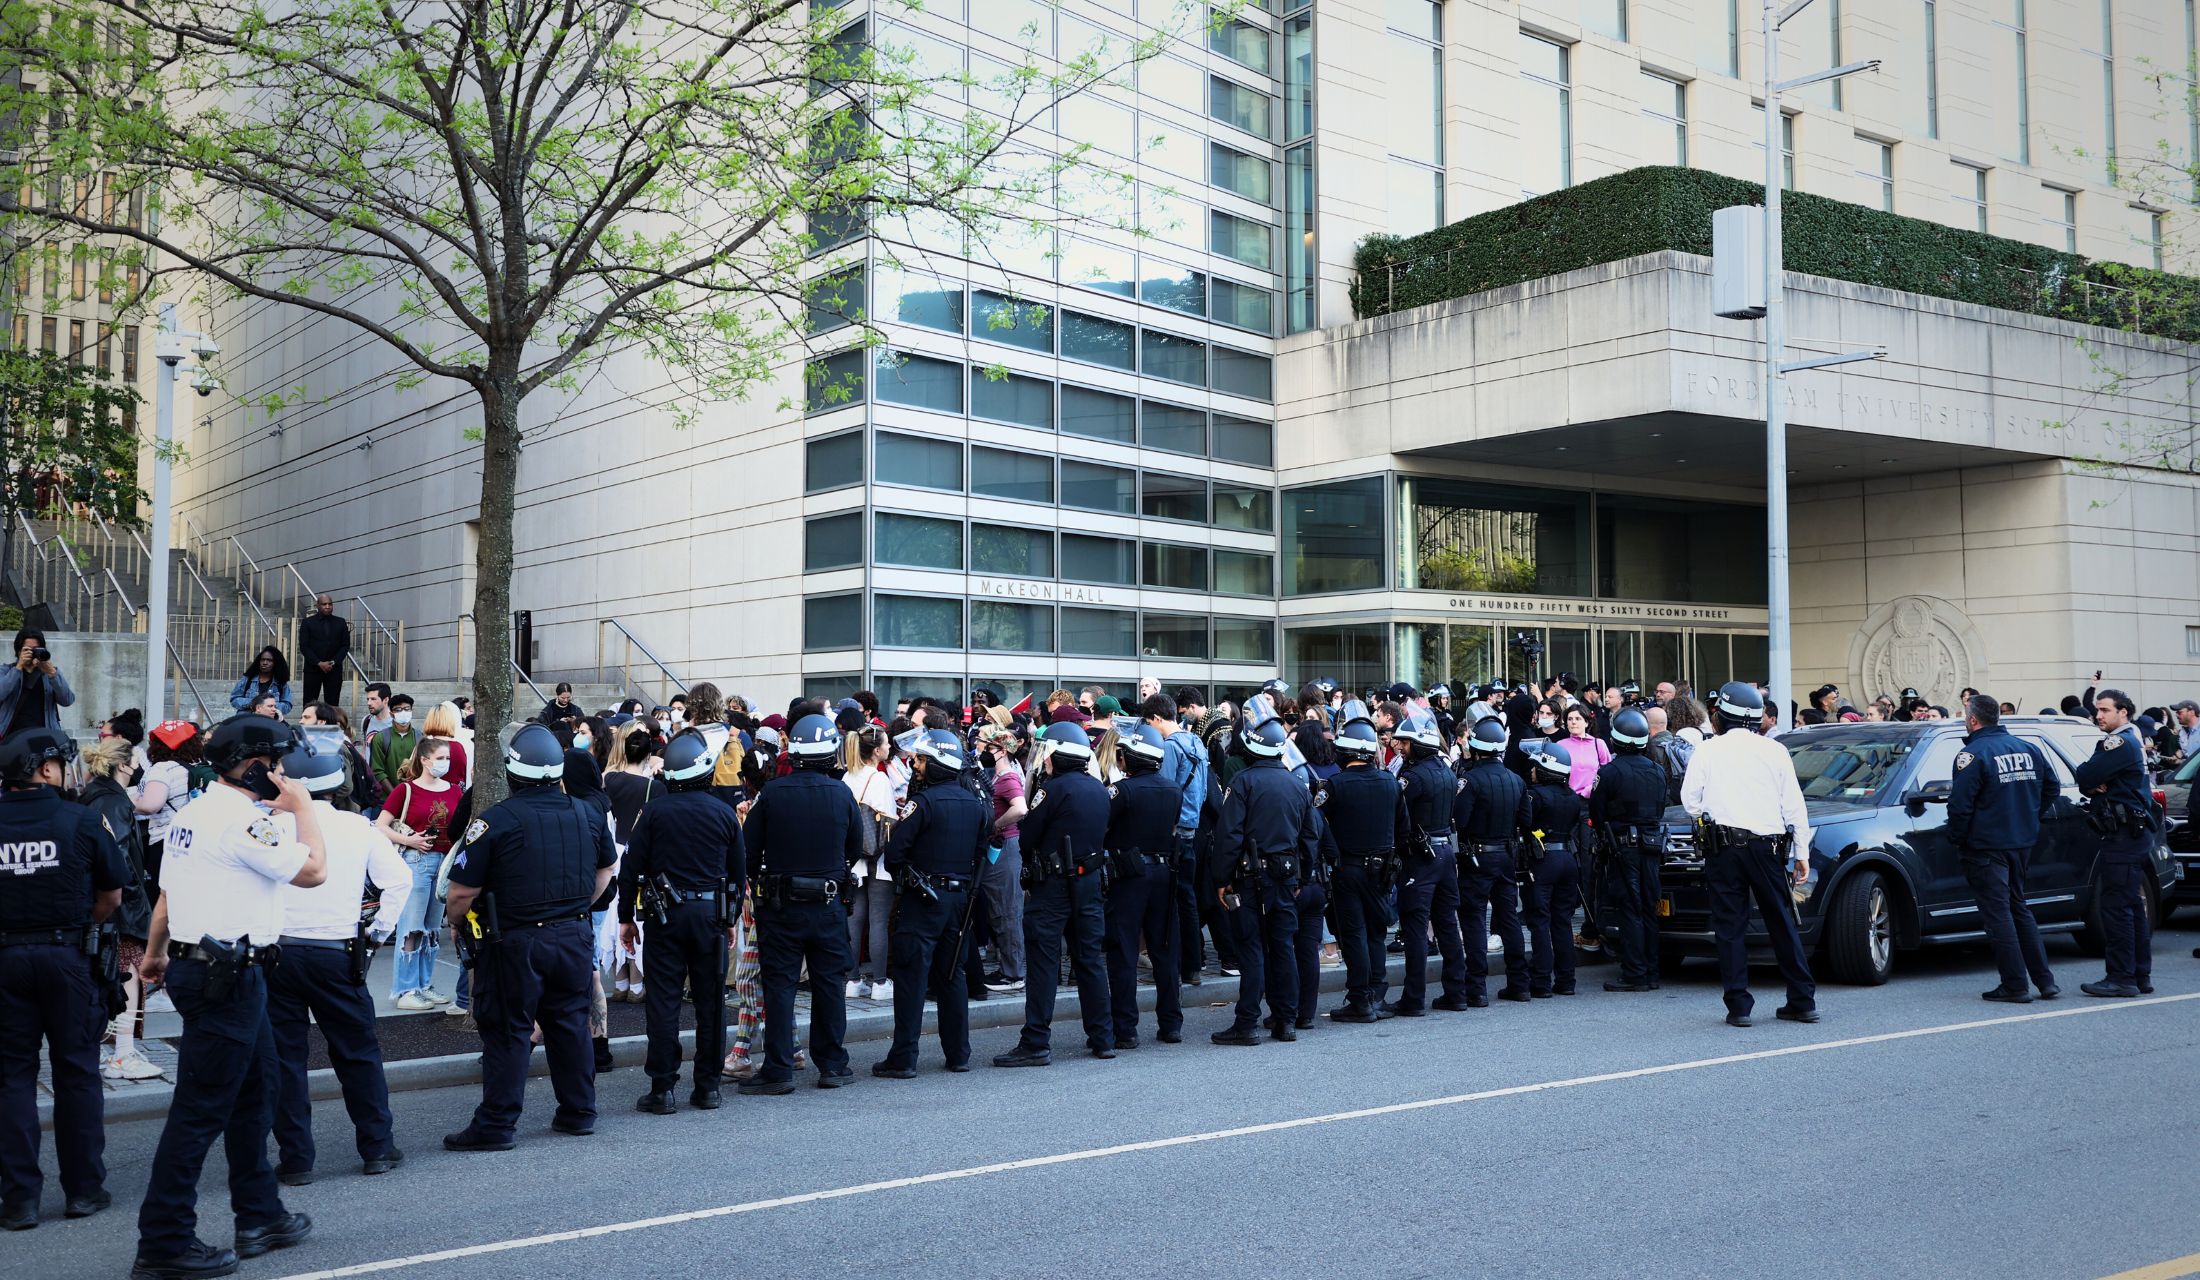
point(174, 733)
point(2186, 705)
point(1067, 713)
point(1401, 690)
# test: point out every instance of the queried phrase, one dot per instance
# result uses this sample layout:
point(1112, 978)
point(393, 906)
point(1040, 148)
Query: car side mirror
point(1917, 798)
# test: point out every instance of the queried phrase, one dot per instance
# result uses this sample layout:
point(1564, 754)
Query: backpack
point(203, 775)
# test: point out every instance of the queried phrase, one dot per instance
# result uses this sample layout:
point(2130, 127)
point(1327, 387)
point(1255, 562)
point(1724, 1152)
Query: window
point(1168, 497)
point(1242, 373)
point(1237, 507)
point(1472, 536)
point(1168, 635)
point(1175, 568)
point(919, 542)
point(921, 300)
point(1170, 218)
point(1252, 243)
point(829, 462)
point(1172, 81)
point(1012, 397)
point(922, 382)
point(106, 348)
point(1416, 197)
point(2105, 56)
point(1245, 640)
point(1932, 69)
point(832, 622)
point(1546, 117)
point(1665, 110)
point(1298, 236)
point(1240, 42)
point(1675, 549)
point(1244, 573)
point(52, 257)
point(80, 261)
point(1298, 76)
point(1011, 628)
point(1165, 355)
point(1971, 192)
point(2017, 124)
point(1086, 558)
point(1094, 487)
point(1333, 537)
point(1097, 341)
point(1239, 107)
point(918, 462)
point(1100, 415)
point(1098, 266)
point(2062, 217)
point(1414, 76)
point(129, 353)
point(836, 300)
point(832, 542)
point(1787, 145)
point(1019, 477)
point(1022, 553)
point(1093, 120)
point(49, 334)
point(1177, 288)
point(1605, 17)
point(835, 381)
point(2153, 242)
point(1241, 174)
point(76, 342)
point(1099, 633)
point(916, 622)
point(995, 318)
point(1173, 427)
point(1242, 306)
point(1878, 170)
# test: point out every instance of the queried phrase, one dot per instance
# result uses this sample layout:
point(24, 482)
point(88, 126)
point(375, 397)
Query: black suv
point(1884, 876)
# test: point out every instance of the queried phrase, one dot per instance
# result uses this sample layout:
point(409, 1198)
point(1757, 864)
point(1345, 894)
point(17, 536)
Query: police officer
point(684, 857)
point(65, 874)
point(1062, 834)
point(1366, 813)
point(1267, 836)
point(2003, 789)
point(804, 833)
point(321, 976)
point(1627, 809)
point(1492, 801)
point(1141, 847)
point(2114, 778)
point(1755, 835)
point(1551, 830)
point(936, 855)
point(216, 925)
point(1429, 865)
point(1439, 707)
point(522, 880)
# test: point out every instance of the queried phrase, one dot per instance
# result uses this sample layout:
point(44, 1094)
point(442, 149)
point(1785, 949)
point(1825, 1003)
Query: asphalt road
point(1917, 1131)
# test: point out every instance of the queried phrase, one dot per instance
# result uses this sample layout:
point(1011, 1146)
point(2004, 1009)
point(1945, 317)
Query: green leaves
point(69, 427)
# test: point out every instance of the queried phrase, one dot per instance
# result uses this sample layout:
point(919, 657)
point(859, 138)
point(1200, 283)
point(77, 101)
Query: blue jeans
point(413, 968)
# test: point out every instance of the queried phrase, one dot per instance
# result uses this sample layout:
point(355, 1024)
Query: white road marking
point(1218, 1135)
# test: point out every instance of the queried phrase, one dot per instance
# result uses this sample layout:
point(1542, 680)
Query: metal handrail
point(115, 584)
point(189, 683)
point(31, 533)
point(245, 555)
point(192, 569)
point(509, 660)
point(300, 579)
point(636, 642)
point(372, 617)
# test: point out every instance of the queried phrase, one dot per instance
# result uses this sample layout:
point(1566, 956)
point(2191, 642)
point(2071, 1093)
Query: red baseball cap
point(172, 734)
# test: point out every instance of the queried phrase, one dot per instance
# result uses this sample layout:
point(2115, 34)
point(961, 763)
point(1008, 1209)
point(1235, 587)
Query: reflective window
point(1011, 628)
point(1244, 440)
point(1097, 341)
point(1665, 114)
point(1476, 536)
point(916, 622)
point(1298, 76)
point(1244, 573)
point(1546, 110)
point(832, 462)
point(836, 300)
point(832, 542)
point(1099, 633)
point(922, 300)
point(1249, 242)
point(1415, 76)
point(1241, 373)
point(1006, 549)
point(1102, 415)
point(1089, 118)
point(1243, 306)
point(1016, 323)
point(920, 381)
point(1178, 359)
point(1169, 497)
point(1352, 656)
point(1244, 508)
point(1173, 149)
point(1237, 106)
point(1088, 558)
point(1097, 488)
point(1240, 42)
point(834, 381)
point(1248, 176)
point(1298, 237)
point(1023, 477)
point(913, 460)
point(1098, 266)
point(1174, 428)
point(920, 542)
point(1164, 215)
point(832, 622)
point(1333, 539)
point(1012, 397)
point(1169, 635)
point(1245, 640)
point(1178, 568)
point(1177, 288)
point(1672, 549)
point(1172, 81)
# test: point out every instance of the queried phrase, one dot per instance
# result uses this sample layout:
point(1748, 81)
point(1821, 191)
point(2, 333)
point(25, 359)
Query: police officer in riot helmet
point(935, 857)
point(68, 875)
point(1627, 810)
point(1551, 833)
point(1366, 813)
point(1428, 887)
point(686, 866)
point(522, 880)
point(1141, 844)
point(1062, 835)
point(1755, 836)
point(1268, 834)
point(804, 833)
point(1491, 804)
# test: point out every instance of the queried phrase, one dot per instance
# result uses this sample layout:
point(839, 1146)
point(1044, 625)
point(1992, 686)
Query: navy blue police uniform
point(1266, 837)
point(688, 842)
point(1490, 806)
point(1062, 835)
point(58, 859)
point(804, 832)
point(2114, 778)
point(936, 855)
point(1428, 889)
point(1553, 883)
point(1313, 909)
point(1141, 843)
point(1627, 809)
point(534, 857)
point(2003, 788)
point(1365, 810)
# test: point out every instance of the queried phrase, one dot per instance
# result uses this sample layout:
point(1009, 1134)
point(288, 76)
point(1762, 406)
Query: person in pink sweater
point(1589, 753)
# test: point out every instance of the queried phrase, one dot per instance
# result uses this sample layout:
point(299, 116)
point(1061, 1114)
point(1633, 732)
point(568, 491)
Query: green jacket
point(392, 748)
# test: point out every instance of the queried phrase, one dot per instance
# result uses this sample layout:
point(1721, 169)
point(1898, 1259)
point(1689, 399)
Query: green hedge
point(1657, 207)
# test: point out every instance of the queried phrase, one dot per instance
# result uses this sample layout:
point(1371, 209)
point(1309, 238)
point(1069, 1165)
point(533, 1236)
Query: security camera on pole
point(171, 346)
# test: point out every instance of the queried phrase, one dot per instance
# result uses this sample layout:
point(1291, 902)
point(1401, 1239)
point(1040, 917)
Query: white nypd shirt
point(356, 853)
point(226, 864)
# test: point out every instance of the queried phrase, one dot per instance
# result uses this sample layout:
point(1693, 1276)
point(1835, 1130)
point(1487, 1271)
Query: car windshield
point(1847, 767)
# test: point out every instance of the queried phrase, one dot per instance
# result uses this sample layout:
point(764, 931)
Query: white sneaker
point(436, 995)
point(134, 1065)
point(857, 989)
point(882, 991)
point(416, 1002)
point(158, 1002)
point(452, 1010)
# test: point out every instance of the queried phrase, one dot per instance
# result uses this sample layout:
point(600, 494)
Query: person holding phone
point(32, 688)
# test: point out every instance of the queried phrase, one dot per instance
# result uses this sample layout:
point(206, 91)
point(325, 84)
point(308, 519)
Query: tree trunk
point(493, 578)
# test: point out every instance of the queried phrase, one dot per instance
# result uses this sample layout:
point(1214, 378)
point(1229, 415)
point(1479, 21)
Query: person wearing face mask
point(418, 817)
point(394, 746)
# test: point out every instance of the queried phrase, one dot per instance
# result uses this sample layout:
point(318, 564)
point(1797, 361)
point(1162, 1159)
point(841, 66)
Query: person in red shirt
point(417, 817)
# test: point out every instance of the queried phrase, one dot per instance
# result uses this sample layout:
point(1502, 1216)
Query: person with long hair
point(864, 756)
point(268, 676)
point(418, 818)
point(173, 747)
point(443, 723)
point(630, 784)
point(109, 768)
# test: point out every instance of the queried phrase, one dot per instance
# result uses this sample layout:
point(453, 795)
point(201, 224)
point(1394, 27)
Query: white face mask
point(438, 768)
point(676, 716)
point(1546, 723)
point(582, 742)
point(402, 717)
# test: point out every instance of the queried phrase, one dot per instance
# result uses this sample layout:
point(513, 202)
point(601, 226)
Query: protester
point(268, 676)
point(109, 769)
point(417, 817)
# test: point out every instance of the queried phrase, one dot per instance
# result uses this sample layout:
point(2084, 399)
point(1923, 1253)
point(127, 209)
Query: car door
point(1942, 891)
point(2064, 856)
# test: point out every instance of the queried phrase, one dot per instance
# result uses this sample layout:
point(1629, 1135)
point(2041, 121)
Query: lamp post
point(171, 345)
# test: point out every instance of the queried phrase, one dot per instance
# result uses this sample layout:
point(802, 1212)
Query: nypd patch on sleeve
point(2111, 742)
point(1964, 759)
point(265, 831)
point(476, 829)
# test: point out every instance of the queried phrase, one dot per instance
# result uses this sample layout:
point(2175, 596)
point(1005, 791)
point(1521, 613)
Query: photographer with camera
point(32, 688)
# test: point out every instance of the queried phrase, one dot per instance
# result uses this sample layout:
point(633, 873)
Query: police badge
point(476, 829)
point(264, 830)
point(1964, 759)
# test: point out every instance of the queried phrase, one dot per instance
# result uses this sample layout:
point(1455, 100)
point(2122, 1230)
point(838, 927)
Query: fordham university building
point(1245, 443)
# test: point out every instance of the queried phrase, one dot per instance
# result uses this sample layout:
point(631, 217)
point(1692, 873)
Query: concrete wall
point(107, 673)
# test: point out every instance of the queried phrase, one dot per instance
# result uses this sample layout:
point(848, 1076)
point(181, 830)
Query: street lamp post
point(171, 345)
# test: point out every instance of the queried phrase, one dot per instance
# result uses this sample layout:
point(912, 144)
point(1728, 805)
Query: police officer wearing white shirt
point(322, 975)
point(220, 914)
point(1741, 787)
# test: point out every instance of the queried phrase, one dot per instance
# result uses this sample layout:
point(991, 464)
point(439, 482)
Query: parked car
point(2184, 836)
point(1884, 877)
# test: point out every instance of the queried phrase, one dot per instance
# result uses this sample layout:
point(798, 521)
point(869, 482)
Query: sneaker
point(435, 995)
point(158, 1002)
point(133, 1065)
point(738, 1067)
point(456, 1010)
point(416, 1002)
point(882, 991)
point(857, 990)
point(1000, 983)
point(1229, 972)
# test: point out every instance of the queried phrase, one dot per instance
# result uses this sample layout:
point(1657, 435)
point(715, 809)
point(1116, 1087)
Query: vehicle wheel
point(1859, 931)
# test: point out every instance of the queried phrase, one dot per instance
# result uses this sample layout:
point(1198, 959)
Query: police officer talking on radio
point(935, 856)
point(2003, 787)
point(803, 835)
point(1755, 837)
point(1366, 813)
point(1268, 834)
point(522, 879)
point(1492, 800)
point(2114, 780)
point(1062, 859)
point(1627, 810)
point(230, 852)
point(64, 874)
point(1141, 846)
point(685, 867)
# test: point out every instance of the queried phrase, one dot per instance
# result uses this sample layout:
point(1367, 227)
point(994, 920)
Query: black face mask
point(988, 759)
point(258, 779)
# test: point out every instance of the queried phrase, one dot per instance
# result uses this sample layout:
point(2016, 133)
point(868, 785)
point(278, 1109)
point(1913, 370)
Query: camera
point(40, 653)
